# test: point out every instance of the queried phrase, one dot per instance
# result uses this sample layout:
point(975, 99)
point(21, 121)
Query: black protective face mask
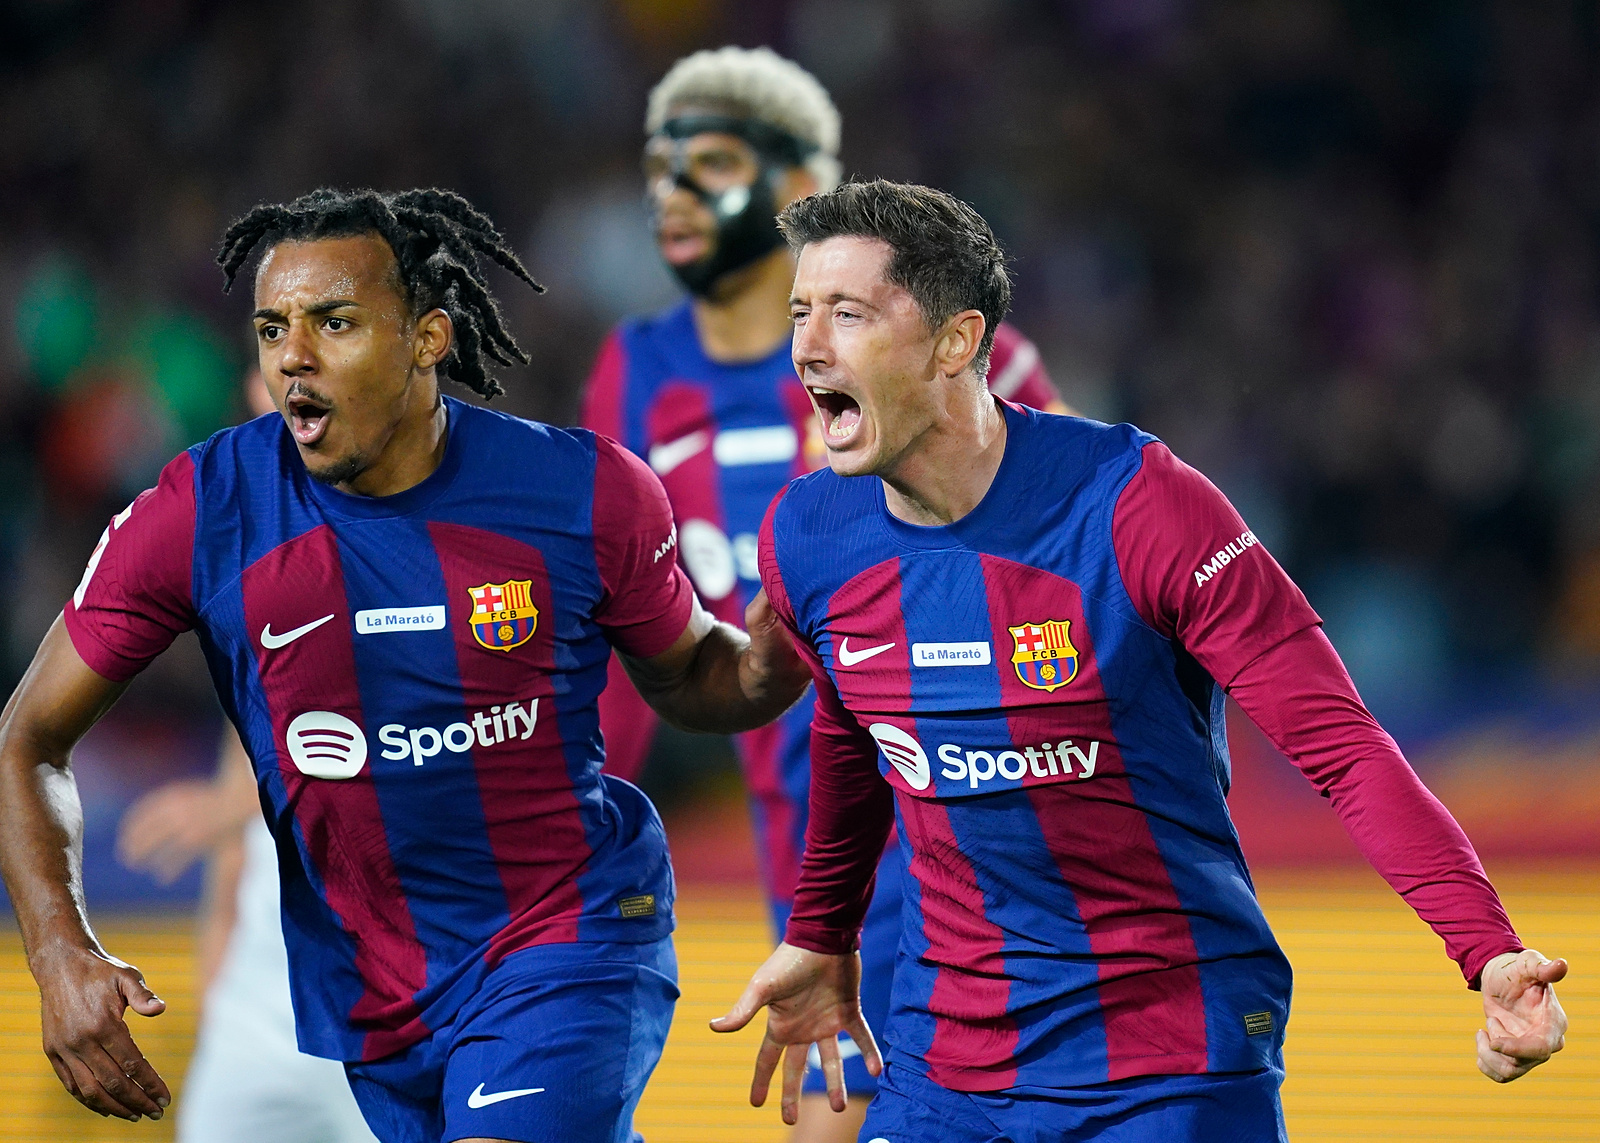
point(746, 217)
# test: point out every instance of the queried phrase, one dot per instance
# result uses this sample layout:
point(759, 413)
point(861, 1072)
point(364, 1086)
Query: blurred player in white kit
point(247, 1082)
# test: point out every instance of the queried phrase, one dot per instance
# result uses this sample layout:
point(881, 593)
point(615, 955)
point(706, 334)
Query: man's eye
point(335, 325)
point(270, 332)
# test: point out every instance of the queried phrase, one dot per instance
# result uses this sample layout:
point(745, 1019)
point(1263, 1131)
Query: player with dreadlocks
point(408, 604)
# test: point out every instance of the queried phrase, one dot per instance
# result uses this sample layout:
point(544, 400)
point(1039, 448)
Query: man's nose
point(298, 355)
point(811, 345)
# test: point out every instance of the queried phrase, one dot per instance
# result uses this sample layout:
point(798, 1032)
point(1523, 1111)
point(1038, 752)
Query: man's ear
point(432, 339)
point(958, 344)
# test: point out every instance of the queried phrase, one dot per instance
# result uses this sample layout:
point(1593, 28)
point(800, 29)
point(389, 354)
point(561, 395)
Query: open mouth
point(682, 242)
point(682, 248)
point(308, 418)
point(839, 413)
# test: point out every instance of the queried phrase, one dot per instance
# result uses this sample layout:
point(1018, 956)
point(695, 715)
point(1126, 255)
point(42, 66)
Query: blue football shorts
point(557, 1045)
point(880, 941)
point(1238, 1107)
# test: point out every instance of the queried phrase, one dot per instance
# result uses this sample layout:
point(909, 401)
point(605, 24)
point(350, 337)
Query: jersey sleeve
point(1196, 573)
point(605, 393)
point(137, 592)
point(647, 599)
point(1301, 697)
point(1017, 373)
point(851, 806)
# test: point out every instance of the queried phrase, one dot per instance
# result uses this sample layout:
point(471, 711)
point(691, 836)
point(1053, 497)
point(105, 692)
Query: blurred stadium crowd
point(1342, 256)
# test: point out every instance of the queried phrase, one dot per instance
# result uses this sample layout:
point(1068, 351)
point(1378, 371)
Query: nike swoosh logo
point(666, 457)
point(272, 642)
point(849, 658)
point(477, 1099)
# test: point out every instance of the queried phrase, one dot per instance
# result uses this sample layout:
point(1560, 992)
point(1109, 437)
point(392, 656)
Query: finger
point(126, 1054)
point(64, 1074)
point(862, 1035)
point(1551, 971)
point(1498, 1066)
point(833, 1072)
point(100, 1084)
point(767, 1057)
point(743, 1011)
point(112, 1067)
point(794, 1074)
point(1492, 1063)
point(86, 1090)
point(138, 995)
point(1536, 1046)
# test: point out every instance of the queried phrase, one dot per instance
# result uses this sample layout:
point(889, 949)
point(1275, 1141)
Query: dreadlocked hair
point(436, 236)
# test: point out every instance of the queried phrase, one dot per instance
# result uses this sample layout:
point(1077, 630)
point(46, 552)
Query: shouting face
point(865, 354)
point(346, 362)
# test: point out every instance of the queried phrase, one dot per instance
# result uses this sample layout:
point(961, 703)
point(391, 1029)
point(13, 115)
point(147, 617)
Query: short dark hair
point(942, 251)
point(436, 236)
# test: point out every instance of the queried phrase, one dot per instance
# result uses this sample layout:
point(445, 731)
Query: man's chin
point(852, 462)
point(340, 471)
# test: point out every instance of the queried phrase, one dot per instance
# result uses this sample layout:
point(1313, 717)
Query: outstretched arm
point(84, 991)
point(1299, 694)
point(1196, 574)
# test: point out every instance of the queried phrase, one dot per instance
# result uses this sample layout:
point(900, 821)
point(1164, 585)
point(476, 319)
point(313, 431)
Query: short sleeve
point(137, 593)
point(648, 600)
point(1196, 573)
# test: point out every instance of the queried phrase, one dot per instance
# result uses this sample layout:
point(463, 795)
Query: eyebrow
point(833, 298)
point(316, 309)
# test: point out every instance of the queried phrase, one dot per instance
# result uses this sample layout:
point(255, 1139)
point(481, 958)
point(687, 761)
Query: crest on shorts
point(503, 614)
point(1044, 655)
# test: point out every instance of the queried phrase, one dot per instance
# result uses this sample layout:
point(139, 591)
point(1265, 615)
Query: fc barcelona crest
point(503, 614)
point(1044, 656)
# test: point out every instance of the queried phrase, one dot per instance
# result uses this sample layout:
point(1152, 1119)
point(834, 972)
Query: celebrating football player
point(1056, 608)
point(408, 604)
point(707, 394)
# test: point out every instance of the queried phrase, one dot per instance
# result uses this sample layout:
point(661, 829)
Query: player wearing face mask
point(707, 394)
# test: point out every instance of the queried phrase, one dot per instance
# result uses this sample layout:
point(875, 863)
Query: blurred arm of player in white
point(175, 825)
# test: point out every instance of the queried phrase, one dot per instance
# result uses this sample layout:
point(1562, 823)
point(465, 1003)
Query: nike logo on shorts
point(849, 658)
point(477, 1099)
point(272, 642)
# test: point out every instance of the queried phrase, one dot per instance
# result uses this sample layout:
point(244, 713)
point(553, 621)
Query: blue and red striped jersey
point(416, 680)
point(1040, 687)
point(724, 438)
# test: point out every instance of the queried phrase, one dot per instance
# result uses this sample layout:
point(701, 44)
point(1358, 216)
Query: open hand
point(810, 998)
point(84, 994)
point(1526, 1025)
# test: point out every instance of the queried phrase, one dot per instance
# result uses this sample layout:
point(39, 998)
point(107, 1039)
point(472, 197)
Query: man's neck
point(948, 470)
point(748, 315)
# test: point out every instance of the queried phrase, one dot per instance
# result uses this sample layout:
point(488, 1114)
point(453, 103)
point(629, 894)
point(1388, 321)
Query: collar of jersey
point(999, 504)
point(413, 499)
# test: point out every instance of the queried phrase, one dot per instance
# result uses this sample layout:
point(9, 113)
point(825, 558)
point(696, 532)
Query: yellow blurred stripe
point(1380, 1041)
